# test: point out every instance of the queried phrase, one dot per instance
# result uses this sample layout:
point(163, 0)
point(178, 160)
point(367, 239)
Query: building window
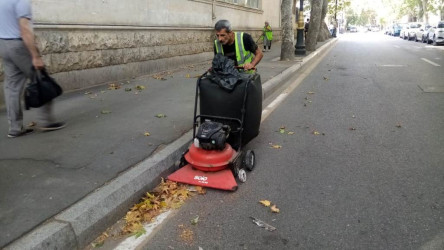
point(253, 4)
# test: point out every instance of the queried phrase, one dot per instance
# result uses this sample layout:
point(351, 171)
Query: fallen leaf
point(316, 132)
point(282, 130)
point(139, 233)
point(159, 77)
point(195, 220)
point(140, 87)
point(274, 209)
point(105, 112)
point(266, 203)
point(187, 75)
point(291, 133)
point(352, 128)
point(113, 86)
point(160, 116)
point(311, 93)
point(88, 92)
point(146, 134)
point(187, 235)
point(127, 89)
point(325, 78)
point(276, 146)
point(201, 190)
point(398, 125)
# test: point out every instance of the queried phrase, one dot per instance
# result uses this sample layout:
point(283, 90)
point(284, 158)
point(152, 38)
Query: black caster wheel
point(249, 160)
point(180, 163)
point(242, 175)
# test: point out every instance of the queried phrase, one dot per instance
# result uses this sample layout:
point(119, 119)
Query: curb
point(81, 223)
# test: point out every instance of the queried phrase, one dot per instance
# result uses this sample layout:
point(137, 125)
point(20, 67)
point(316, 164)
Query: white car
point(413, 28)
point(435, 34)
point(419, 33)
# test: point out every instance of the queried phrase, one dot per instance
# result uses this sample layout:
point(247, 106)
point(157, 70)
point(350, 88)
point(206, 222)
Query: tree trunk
point(315, 24)
point(287, 48)
point(324, 34)
point(426, 14)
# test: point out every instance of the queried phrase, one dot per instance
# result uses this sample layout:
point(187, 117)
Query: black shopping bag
point(41, 90)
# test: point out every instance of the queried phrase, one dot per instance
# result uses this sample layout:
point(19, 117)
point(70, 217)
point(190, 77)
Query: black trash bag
point(224, 73)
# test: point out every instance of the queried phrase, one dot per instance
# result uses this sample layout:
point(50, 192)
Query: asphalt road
point(371, 179)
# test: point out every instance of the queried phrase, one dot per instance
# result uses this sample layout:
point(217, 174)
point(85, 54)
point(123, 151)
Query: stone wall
point(95, 43)
point(67, 50)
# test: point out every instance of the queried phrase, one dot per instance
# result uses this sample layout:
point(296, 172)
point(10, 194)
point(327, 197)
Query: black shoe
point(53, 126)
point(23, 132)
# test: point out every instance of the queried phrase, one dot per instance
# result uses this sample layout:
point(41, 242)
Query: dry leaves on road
point(166, 195)
point(113, 86)
point(159, 77)
point(275, 146)
point(268, 203)
point(160, 116)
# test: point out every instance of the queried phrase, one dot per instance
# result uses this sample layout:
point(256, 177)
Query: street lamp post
point(335, 23)
point(300, 43)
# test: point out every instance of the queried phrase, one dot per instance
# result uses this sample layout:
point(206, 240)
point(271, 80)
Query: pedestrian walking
point(238, 46)
point(306, 26)
point(268, 36)
point(20, 54)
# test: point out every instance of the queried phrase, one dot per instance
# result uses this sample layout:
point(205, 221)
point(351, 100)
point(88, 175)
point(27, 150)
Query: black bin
point(216, 101)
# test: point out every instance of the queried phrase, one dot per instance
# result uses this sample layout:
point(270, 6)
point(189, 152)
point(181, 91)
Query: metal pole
point(300, 43)
point(335, 21)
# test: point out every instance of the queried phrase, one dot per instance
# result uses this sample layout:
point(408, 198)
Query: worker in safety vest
point(238, 46)
point(268, 36)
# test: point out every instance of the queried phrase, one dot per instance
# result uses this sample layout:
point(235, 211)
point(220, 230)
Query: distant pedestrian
point(306, 26)
point(268, 36)
point(20, 54)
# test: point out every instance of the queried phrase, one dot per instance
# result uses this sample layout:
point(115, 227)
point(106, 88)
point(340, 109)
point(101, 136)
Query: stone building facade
point(90, 42)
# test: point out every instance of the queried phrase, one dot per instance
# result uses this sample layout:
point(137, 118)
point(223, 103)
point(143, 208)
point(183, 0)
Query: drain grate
point(432, 89)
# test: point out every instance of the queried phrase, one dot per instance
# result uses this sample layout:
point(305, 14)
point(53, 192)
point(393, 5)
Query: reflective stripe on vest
point(242, 56)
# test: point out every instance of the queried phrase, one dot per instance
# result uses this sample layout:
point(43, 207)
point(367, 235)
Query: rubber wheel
point(249, 160)
point(242, 175)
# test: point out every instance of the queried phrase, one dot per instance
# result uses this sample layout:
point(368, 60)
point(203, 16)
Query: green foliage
point(342, 5)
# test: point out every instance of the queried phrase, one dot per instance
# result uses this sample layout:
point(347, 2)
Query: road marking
point(132, 242)
point(392, 65)
point(281, 97)
point(432, 63)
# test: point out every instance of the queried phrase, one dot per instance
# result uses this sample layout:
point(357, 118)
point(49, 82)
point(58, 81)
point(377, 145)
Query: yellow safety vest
point(242, 56)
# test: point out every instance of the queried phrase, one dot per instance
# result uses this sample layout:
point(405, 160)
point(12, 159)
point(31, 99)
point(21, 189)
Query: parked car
point(353, 29)
point(404, 31)
point(395, 29)
point(425, 34)
point(435, 34)
point(413, 28)
point(419, 33)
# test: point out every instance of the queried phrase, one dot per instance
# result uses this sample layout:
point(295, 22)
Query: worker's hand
point(38, 63)
point(248, 66)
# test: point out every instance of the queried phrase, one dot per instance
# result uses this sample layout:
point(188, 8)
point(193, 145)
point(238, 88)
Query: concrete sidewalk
point(61, 189)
